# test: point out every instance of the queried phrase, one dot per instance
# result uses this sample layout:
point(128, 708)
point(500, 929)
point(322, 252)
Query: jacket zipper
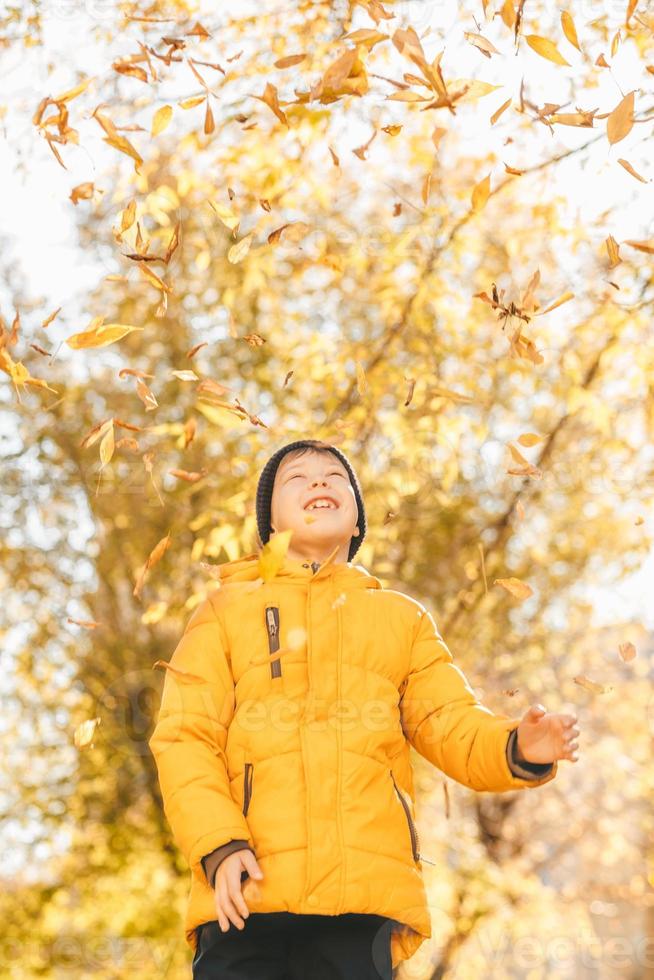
point(415, 840)
point(247, 786)
point(272, 623)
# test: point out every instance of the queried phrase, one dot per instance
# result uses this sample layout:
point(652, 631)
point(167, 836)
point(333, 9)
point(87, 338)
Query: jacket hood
point(345, 574)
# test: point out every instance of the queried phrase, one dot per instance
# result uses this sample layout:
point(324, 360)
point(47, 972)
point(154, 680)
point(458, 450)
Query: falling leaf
point(627, 166)
point(529, 439)
point(273, 554)
point(620, 122)
point(184, 675)
point(100, 336)
point(517, 588)
point(590, 685)
point(238, 251)
point(613, 249)
point(270, 98)
point(107, 446)
point(85, 732)
point(631, 7)
point(481, 43)
point(289, 60)
point(362, 383)
point(480, 193)
point(83, 192)
point(559, 302)
point(209, 124)
point(569, 29)
point(226, 215)
point(155, 556)
point(546, 49)
point(161, 119)
point(496, 115)
point(645, 246)
point(627, 651)
point(89, 624)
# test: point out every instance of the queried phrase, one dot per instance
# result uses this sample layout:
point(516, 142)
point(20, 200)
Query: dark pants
point(288, 946)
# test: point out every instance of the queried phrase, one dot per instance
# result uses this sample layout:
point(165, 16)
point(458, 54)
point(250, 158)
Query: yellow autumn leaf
point(569, 29)
point(226, 215)
point(107, 445)
point(620, 122)
point(546, 49)
point(273, 554)
point(590, 685)
point(100, 336)
point(518, 589)
point(529, 439)
point(559, 302)
point(627, 166)
point(238, 251)
point(161, 119)
point(480, 193)
point(627, 651)
point(84, 732)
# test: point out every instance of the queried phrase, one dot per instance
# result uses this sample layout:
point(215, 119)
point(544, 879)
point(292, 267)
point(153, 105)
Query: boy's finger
point(228, 906)
point(251, 864)
point(234, 888)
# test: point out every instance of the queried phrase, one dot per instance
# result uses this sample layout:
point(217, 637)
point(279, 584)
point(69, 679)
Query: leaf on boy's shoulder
point(184, 675)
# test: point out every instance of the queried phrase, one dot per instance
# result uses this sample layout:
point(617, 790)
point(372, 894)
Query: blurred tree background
point(421, 230)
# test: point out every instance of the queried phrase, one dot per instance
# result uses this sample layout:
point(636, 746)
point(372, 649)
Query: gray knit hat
point(267, 481)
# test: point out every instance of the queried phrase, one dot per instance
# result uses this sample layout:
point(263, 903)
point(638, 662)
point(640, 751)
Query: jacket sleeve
point(443, 720)
point(188, 741)
point(211, 862)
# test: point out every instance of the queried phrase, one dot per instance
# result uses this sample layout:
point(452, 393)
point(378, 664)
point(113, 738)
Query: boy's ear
point(356, 532)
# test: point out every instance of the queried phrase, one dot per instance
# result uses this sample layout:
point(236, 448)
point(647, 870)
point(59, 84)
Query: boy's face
point(301, 479)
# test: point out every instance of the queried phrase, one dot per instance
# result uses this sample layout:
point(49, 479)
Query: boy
point(283, 739)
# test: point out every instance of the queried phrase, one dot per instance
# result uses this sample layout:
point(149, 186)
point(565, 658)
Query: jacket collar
point(344, 574)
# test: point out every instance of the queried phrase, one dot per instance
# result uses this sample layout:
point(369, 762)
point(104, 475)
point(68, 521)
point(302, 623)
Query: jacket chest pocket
point(247, 786)
point(413, 830)
point(272, 627)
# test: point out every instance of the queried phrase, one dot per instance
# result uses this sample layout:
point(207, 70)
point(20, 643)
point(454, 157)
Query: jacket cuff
point(522, 768)
point(211, 862)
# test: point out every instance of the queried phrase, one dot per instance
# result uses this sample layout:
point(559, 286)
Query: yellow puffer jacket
point(297, 700)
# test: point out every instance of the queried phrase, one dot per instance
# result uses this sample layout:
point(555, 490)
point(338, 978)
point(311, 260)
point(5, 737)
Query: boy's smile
point(313, 496)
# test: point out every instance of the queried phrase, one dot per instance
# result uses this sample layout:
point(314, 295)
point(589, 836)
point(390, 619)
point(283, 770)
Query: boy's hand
point(230, 904)
point(544, 737)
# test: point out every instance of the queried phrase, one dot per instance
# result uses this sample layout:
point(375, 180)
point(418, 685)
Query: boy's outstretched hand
point(230, 904)
point(544, 737)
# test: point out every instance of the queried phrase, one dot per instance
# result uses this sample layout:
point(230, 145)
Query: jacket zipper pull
point(272, 624)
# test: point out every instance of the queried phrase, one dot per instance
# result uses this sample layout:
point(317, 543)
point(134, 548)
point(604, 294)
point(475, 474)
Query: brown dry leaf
point(48, 320)
point(155, 556)
point(569, 29)
point(89, 624)
point(529, 439)
point(335, 159)
point(270, 98)
point(154, 278)
point(620, 122)
point(644, 246)
point(514, 586)
point(184, 675)
point(83, 192)
point(289, 60)
point(124, 146)
point(185, 375)
point(480, 193)
point(392, 130)
point(592, 686)
point(146, 396)
point(546, 49)
point(161, 119)
point(627, 651)
point(209, 124)
point(498, 112)
point(627, 166)
point(188, 477)
point(602, 62)
point(127, 217)
point(254, 339)
point(631, 7)
point(361, 151)
point(613, 249)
